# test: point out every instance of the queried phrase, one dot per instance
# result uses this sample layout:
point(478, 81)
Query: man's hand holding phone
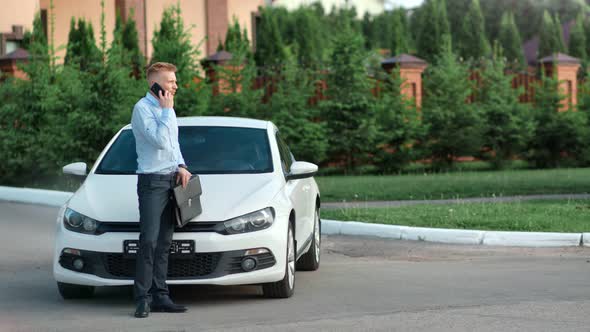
point(166, 99)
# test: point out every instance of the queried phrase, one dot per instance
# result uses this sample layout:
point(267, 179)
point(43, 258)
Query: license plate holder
point(177, 248)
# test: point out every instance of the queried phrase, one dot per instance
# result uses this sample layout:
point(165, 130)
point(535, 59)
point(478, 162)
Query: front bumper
point(217, 258)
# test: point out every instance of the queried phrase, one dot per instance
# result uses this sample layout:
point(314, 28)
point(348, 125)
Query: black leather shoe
point(166, 305)
point(143, 309)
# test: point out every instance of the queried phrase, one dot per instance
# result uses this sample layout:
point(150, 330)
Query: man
point(160, 166)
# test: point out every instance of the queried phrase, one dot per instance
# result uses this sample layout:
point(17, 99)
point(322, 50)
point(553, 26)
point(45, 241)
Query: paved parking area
point(363, 284)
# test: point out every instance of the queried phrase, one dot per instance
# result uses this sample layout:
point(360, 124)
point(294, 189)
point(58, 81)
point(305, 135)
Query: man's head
point(164, 74)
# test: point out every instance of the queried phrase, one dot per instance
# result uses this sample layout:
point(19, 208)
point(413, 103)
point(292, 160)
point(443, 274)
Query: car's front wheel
point(310, 261)
point(70, 291)
point(284, 288)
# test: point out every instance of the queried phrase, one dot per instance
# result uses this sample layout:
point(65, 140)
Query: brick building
point(206, 18)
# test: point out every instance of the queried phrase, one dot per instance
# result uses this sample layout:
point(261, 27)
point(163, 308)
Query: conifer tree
point(307, 38)
point(288, 108)
point(82, 50)
point(454, 127)
point(509, 39)
point(433, 26)
point(398, 123)
point(507, 125)
point(472, 42)
point(548, 43)
point(577, 46)
point(368, 31)
point(562, 47)
point(130, 44)
point(348, 112)
point(400, 38)
point(558, 134)
point(172, 43)
point(270, 49)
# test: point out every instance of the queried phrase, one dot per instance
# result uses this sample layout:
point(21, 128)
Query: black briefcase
point(188, 201)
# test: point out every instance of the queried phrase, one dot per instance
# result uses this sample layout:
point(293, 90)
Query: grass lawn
point(534, 216)
point(454, 185)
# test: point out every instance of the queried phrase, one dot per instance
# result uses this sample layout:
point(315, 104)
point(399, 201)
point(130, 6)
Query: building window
point(10, 41)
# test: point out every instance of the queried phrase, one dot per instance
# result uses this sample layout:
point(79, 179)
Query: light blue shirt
point(156, 137)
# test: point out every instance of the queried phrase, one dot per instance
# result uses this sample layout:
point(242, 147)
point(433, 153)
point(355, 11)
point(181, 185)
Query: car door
point(293, 189)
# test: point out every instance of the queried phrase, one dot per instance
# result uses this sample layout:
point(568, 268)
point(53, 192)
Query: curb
point(336, 227)
point(456, 236)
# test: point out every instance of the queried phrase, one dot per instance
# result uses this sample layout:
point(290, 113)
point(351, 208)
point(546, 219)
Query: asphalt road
point(363, 284)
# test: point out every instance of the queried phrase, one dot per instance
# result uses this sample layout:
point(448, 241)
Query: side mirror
point(77, 169)
point(301, 170)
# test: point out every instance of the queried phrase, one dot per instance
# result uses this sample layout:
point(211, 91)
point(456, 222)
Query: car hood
point(113, 198)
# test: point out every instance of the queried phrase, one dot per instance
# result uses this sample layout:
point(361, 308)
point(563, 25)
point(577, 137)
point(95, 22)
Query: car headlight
point(251, 222)
point(80, 223)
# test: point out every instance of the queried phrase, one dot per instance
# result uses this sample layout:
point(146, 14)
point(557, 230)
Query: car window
point(286, 155)
point(206, 150)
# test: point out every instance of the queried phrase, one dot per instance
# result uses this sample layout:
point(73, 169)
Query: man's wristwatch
point(182, 166)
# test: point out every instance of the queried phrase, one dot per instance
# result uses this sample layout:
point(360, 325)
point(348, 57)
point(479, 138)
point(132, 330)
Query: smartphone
point(156, 88)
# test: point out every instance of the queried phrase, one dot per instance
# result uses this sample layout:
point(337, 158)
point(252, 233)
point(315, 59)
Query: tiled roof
point(559, 58)
point(220, 56)
point(404, 58)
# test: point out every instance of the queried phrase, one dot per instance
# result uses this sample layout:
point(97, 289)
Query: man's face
point(167, 80)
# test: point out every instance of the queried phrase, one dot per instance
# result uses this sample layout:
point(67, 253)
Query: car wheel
point(310, 261)
point(284, 288)
point(70, 291)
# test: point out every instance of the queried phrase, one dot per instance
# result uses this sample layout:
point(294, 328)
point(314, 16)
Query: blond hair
point(160, 66)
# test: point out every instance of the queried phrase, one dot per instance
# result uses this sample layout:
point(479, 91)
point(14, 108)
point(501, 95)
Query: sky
point(390, 4)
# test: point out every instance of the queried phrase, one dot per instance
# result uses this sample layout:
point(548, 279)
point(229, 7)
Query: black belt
point(158, 176)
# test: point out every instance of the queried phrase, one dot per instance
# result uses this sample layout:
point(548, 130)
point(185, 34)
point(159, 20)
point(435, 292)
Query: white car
point(260, 218)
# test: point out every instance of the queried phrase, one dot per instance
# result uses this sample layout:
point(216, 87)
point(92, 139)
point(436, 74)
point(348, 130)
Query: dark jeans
point(156, 228)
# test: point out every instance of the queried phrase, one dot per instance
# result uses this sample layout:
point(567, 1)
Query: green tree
point(559, 34)
point(96, 105)
point(577, 46)
point(559, 135)
point(307, 40)
point(507, 125)
point(369, 32)
point(399, 125)
point(270, 49)
point(81, 49)
point(454, 126)
point(289, 109)
point(22, 112)
point(510, 41)
point(237, 96)
point(348, 111)
point(472, 42)
point(549, 42)
point(432, 27)
point(400, 33)
point(236, 41)
point(172, 43)
point(584, 109)
point(129, 39)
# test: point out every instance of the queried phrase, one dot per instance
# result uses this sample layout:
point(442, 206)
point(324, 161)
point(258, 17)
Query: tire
point(310, 261)
point(70, 291)
point(284, 288)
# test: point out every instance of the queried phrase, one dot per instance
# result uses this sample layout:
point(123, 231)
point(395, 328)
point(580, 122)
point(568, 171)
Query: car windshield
point(206, 150)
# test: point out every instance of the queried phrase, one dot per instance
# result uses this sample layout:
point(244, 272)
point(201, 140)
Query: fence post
point(223, 75)
point(411, 69)
point(565, 68)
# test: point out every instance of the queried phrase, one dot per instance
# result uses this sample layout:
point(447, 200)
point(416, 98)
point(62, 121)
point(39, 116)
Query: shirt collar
point(152, 99)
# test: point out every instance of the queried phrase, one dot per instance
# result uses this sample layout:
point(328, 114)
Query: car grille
point(186, 267)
